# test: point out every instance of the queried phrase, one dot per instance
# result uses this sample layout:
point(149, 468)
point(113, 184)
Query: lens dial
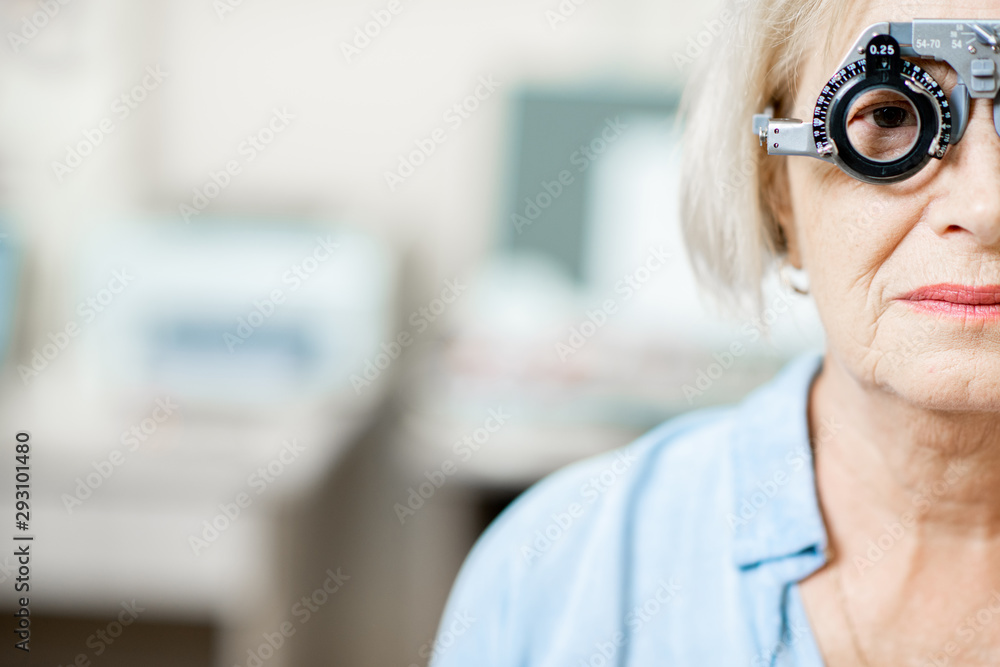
point(883, 127)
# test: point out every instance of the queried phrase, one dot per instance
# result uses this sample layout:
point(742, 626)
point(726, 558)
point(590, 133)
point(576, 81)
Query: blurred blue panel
point(238, 313)
point(10, 263)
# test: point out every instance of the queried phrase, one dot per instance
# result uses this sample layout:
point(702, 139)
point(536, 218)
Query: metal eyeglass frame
point(970, 46)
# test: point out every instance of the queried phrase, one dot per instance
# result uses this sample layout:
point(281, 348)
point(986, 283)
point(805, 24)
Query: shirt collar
point(775, 510)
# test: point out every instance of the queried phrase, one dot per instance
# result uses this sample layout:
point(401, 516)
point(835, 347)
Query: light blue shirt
point(682, 549)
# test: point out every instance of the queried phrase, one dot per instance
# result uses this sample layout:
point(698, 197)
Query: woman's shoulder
point(566, 540)
point(568, 557)
point(686, 463)
point(662, 471)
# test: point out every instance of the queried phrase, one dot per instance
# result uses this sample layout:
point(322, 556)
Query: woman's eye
point(883, 125)
point(890, 117)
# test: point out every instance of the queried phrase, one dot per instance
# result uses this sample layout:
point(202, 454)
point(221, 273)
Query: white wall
point(352, 122)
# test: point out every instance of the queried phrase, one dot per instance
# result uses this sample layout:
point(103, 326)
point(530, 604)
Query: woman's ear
point(779, 201)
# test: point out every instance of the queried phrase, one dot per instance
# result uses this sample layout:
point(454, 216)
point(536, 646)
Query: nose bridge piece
point(960, 102)
point(996, 113)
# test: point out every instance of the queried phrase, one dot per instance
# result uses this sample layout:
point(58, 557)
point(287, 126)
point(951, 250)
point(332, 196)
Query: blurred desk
point(108, 532)
point(552, 413)
point(190, 399)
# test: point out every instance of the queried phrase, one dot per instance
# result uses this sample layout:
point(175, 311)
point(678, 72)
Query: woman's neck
point(911, 501)
point(890, 464)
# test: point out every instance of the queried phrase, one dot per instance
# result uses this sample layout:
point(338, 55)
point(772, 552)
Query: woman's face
point(866, 247)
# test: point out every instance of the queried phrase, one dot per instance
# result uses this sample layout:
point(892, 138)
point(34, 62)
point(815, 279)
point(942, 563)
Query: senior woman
point(848, 512)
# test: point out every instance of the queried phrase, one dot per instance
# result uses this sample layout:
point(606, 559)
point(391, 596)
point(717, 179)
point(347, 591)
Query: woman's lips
point(962, 301)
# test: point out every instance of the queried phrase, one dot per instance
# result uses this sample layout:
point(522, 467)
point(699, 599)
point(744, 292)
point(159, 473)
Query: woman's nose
point(973, 179)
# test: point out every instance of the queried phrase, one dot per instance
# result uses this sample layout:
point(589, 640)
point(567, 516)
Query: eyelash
point(879, 105)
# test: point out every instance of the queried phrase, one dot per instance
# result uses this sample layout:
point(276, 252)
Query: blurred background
point(296, 296)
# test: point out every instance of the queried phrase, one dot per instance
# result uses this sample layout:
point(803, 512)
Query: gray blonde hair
point(727, 187)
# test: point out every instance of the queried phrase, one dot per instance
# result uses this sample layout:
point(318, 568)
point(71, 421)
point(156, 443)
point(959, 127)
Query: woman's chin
point(955, 380)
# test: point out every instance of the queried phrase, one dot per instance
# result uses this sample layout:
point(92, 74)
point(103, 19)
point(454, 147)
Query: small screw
point(775, 144)
point(777, 129)
point(972, 49)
